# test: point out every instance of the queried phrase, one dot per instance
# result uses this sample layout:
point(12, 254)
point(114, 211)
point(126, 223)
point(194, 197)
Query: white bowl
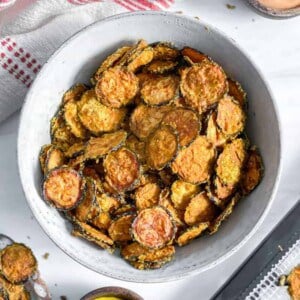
point(74, 62)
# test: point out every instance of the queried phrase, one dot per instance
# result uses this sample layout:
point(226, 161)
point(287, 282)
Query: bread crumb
point(46, 255)
point(280, 248)
point(229, 6)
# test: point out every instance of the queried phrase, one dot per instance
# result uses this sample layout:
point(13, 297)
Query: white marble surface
point(275, 46)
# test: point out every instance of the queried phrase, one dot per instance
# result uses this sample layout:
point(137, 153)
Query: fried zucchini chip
point(160, 89)
point(77, 163)
point(185, 122)
point(136, 252)
point(43, 156)
point(96, 117)
point(194, 55)
point(149, 266)
point(97, 148)
point(136, 146)
point(120, 229)
point(219, 193)
point(182, 192)
point(18, 263)
point(142, 59)
point(91, 173)
point(122, 169)
point(164, 51)
point(203, 85)
point(191, 233)
point(213, 133)
point(145, 119)
point(161, 66)
point(143, 77)
point(293, 280)
point(231, 161)
point(165, 201)
point(107, 203)
point(9, 291)
point(75, 150)
point(116, 87)
point(161, 147)
point(236, 91)
point(63, 188)
point(253, 171)
point(74, 93)
point(110, 61)
point(153, 228)
point(87, 208)
point(231, 118)
point(123, 210)
point(215, 225)
point(72, 120)
point(147, 195)
point(132, 53)
point(55, 158)
point(107, 188)
point(200, 209)
point(194, 163)
point(102, 221)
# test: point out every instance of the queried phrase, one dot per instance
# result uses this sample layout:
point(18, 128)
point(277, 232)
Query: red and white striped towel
point(27, 41)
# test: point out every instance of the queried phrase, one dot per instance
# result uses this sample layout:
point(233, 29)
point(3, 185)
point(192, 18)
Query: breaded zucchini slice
point(55, 158)
point(63, 188)
point(293, 281)
point(77, 163)
point(194, 55)
point(231, 161)
point(185, 122)
point(9, 291)
point(145, 119)
point(116, 87)
point(96, 117)
point(18, 263)
point(120, 229)
point(200, 209)
point(74, 93)
point(203, 85)
point(153, 228)
point(75, 150)
point(160, 89)
point(43, 156)
point(110, 61)
point(136, 146)
point(91, 234)
point(191, 233)
point(231, 118)
point(136, 252)
point(73, 121)
point(123, 210)
point(147, 195)
point(102, 221)
point(219, 193)
point(182, 192)
point(236, 91)
point(161, 66)
point(194, 163)
point(213, 132)
point(161, 147)
point(149, 266)
point(165, 51)
point(215, 225)
point(122, 169)
point(97, 148)
point(87, 208)
point(133, 52)
point(107, 203)
point(143, 58)
point(253, 172)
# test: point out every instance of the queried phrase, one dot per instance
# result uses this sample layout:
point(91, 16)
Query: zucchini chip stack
point(153, 154)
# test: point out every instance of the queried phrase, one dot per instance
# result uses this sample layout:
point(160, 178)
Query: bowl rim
point(230, 251)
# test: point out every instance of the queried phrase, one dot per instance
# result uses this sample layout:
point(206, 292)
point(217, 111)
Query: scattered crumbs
point(206, 28)
point(28, 237)
point(229, 6)
point(280, 248)
point(179, 12)
point(197, 18)
point(253, 20)
point(282, 280)
point(63, 298)
point(46, 255)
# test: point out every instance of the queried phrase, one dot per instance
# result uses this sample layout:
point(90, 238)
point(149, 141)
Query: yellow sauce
point(280, 4)
point(107, 298)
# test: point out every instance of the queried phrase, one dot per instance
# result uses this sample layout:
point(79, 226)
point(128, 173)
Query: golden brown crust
point(55, 158)
point(213, 133)
point(120, 229)
point(293, 281)
point(194, 55)
point(147, 195)
point(161, 66)
point(191, 233)
point(236, 91)
point(136, 146)
point(194, 163)
point(142, 59)
point(185, 122)
point(203, 85)
point(164, 51)
point(74, 93)
point(161, 147)
point(13, 291)
point(116, 87)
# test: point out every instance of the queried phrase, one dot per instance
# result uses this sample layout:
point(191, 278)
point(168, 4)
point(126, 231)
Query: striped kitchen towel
point(40, 27)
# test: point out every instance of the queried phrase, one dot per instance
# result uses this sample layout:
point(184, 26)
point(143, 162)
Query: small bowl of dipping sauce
point(112, 293)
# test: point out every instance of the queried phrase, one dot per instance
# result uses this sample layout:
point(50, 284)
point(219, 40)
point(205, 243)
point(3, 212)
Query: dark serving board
point(274, 246)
